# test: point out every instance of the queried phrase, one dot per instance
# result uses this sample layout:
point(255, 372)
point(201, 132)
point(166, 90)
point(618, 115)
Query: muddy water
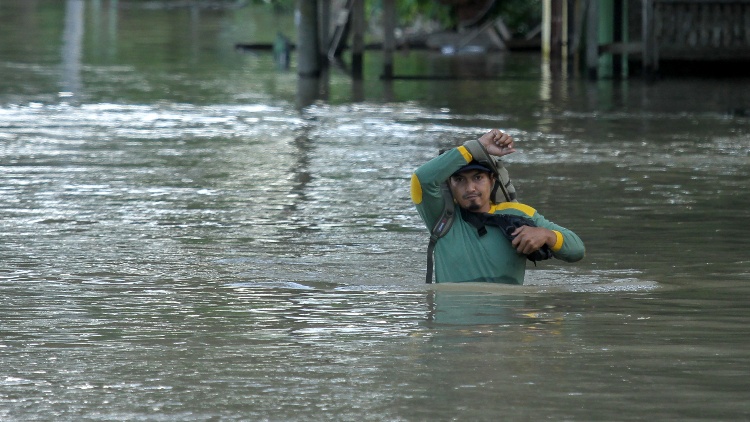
point(181, 241)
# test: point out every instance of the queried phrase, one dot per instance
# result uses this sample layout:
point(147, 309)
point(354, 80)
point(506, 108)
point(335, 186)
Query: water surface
point(184, 236)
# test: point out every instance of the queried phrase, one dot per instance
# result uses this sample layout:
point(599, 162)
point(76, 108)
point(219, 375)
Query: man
point(474, 251)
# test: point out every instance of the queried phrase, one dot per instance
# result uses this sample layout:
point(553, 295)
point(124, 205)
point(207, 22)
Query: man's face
point(471, 189)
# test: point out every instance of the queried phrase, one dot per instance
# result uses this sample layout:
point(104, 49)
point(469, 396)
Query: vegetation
point(519, 15)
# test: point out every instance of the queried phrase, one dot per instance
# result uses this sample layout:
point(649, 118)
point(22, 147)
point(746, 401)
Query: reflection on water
point(72, 48)
point(190, 242)
point(475, 308)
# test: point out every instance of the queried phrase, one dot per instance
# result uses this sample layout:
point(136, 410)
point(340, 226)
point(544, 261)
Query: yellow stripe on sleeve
point(416, 189)
point(559, 242)
point(465, 152)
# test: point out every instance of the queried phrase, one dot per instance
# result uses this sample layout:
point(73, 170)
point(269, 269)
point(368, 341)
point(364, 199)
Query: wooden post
point(575, 41)
point(389, 39)
point(555, 29)
point(72, 47)
point(606, 26)
point(358, 37)
point(546, 28)
point(564, 29)
point(324, 16)
point(650, 61)
point(592, 39)
point(618, 30)
point(308, 56)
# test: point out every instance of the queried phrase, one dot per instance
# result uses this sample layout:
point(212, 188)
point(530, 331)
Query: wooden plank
point(338, 39)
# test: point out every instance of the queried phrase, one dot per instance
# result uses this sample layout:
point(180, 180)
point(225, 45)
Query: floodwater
point(187, 234)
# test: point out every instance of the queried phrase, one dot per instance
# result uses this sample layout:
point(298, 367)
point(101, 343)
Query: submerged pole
point(389, 40)
point(308, 51)
point(606, 36)
point(72, 46)
point(592, 40)
point(324, 29)
point(648, 40)
point(358, 37)
point(546, 28)
point(554, 29)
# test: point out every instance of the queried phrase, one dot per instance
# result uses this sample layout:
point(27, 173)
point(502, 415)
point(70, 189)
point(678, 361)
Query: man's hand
point(529, 239)
point(497, 143)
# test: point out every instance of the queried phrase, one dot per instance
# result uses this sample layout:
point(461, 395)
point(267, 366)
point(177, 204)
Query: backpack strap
point(440, 228)
point(503, 191)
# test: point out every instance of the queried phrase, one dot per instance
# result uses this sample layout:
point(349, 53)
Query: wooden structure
point(325, 28)
point(605, 36)
point(599, 38)
point(717, 30)
point(609, 37)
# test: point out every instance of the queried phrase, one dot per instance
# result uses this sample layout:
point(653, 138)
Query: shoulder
point(514, 208)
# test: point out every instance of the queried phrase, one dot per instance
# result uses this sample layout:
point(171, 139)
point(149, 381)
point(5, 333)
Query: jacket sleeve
point(426, 181)
point(569, 247)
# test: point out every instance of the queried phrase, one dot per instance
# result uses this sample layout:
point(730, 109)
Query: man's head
point(471, 187)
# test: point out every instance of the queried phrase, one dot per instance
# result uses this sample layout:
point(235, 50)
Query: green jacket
point(462, 255)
